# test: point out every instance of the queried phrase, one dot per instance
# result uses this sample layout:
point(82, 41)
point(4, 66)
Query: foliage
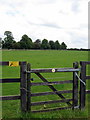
point(17, 45)
point(57, 45)
point(52, 44)
point(45, 44)
point(37, 44)
point(27, 43)
point(63, 46)
point(8, 41)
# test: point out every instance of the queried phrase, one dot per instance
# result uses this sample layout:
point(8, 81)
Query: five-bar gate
point(26, 84)
point(38, 72)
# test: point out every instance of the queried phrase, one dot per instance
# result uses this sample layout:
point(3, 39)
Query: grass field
point(41, 59)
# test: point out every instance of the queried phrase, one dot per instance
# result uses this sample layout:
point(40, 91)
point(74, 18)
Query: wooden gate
point(26, 84)
point(38, 72)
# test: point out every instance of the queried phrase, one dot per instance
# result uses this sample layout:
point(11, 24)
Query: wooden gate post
point(75, 87)
point(23, 90)
point(82, 85)
point(28, 88)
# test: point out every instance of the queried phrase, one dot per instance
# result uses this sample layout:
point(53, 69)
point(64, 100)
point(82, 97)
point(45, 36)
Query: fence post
point(82, 85)
point(75, 87)
point(28, 88)
point(23, 82)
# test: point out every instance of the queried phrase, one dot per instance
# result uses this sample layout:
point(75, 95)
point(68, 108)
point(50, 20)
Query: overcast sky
point(63, 20)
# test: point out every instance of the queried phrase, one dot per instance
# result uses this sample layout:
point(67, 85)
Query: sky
point(62, 20)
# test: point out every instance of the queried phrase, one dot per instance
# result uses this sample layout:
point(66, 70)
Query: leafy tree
point(45, 44)
point(57, 45)
point(37, 44)
point(63, 46)
point(16, 45)
point(26, 42)
point(52, 44)
point(8, 40)
point(8, 34)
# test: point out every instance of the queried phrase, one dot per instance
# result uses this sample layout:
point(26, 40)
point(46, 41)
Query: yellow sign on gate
point(13, 63)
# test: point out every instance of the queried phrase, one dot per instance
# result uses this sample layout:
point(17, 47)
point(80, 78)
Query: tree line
point(26, 43)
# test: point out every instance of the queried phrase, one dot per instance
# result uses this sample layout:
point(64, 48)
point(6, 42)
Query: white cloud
point(64, 20)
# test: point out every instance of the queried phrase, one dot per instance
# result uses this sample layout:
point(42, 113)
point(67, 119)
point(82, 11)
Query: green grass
point(41, 59)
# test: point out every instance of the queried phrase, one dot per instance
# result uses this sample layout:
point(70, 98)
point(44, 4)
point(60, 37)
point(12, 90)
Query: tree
point(37, 44)
point(16, 45)
point(57, 45)
point(63, 46)
point(52, 44)
point(8, 40)
point(26, 42)
point(45, 44)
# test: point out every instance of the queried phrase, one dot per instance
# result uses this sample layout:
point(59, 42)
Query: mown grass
point(41, 59)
